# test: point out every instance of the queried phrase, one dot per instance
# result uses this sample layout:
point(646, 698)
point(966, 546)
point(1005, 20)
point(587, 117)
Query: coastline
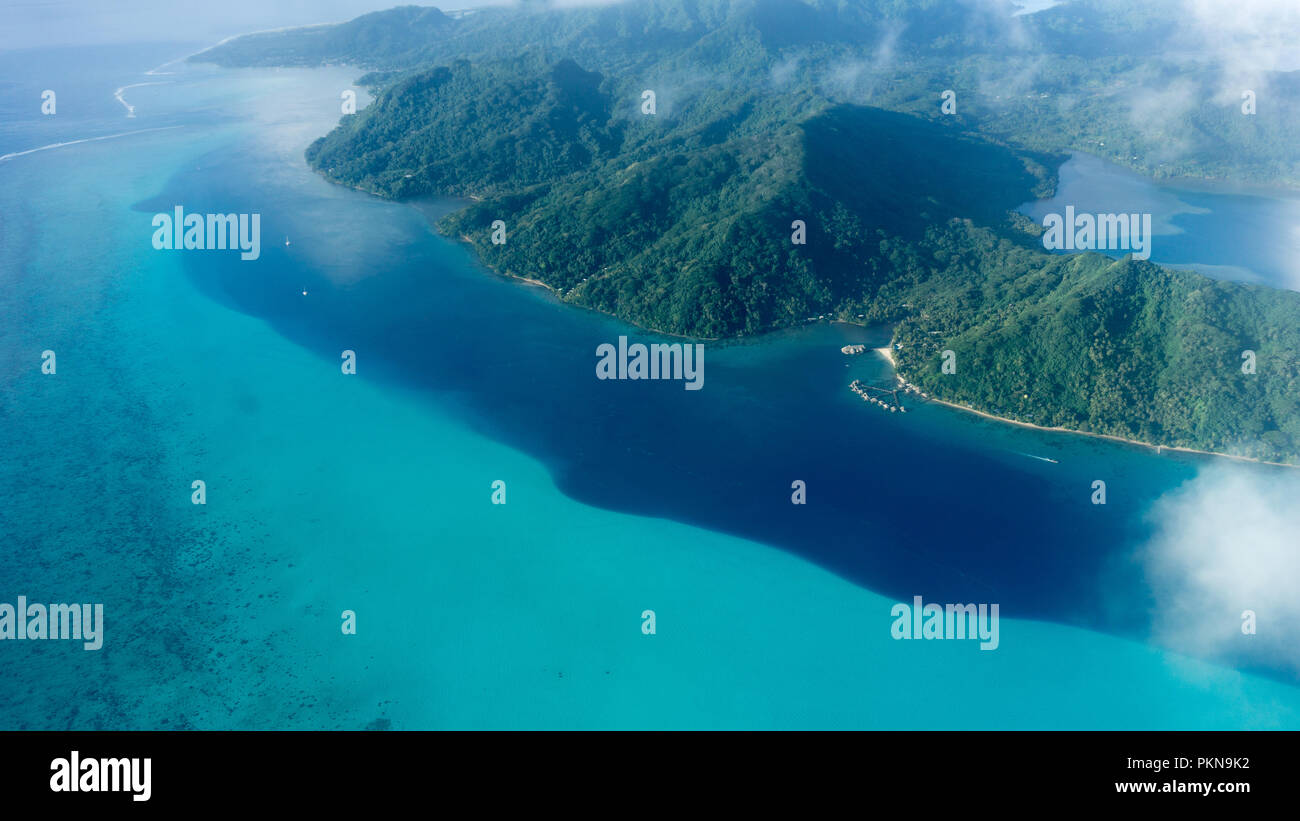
point(559, 296)
point(433, 226)
point(706, 569)
point(529, 280)
point(888, 355)
point(1207, 184)
point(886, 352)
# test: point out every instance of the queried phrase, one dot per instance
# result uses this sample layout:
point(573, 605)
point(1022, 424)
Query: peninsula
point(736, 166)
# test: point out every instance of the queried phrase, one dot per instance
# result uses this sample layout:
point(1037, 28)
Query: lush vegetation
point(472, 130)
point(1125, 348)
point(682, 220)
point(695, 236)
point(1115, 78)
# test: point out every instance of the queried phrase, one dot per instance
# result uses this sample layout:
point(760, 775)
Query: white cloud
point(784, 71)
point(856, 79)
point(1159, 111)
point(1248, 36)
point(1226, 542)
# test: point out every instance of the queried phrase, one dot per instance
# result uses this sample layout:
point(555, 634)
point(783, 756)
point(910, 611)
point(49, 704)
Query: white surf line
point(5, 157)
point(157, 70)
point(130, 109)
point(251, 33)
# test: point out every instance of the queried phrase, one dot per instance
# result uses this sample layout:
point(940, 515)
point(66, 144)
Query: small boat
point(1040, 458)
point(286, 239)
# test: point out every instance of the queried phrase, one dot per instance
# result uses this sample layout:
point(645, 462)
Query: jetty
point(883, 398)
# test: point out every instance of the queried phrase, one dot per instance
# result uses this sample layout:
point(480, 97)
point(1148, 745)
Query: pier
point(883, 398)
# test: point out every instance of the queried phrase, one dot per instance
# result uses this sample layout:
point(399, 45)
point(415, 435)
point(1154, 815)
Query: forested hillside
point(1085, 342)
point(468, 129)
point(795, 164)
point(1123, 80)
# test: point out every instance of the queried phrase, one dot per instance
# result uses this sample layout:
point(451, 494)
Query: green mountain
point(694, 235)
point(778, 120)
point(1088, 75)
point(469, 129)
point(1085, 342)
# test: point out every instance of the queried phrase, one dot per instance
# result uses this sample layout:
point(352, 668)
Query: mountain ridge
point(688, 219)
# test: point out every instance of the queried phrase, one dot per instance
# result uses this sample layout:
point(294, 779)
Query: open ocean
point(372, 492)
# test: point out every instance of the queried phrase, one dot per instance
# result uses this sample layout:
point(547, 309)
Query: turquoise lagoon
point(371, 493)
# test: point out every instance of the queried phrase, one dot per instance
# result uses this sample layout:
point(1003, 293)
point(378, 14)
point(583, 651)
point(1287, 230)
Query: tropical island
point(725, 168)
